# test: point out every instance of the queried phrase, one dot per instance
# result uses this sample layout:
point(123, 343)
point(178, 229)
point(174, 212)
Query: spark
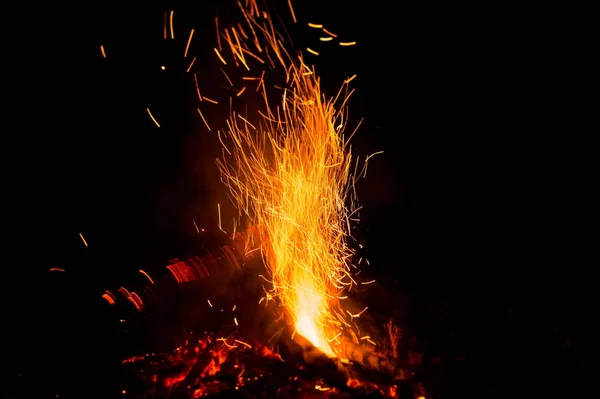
point(209, 304)
point(350, 79)
point(326, 39)
point(191, 64)
point(311, 51)
point(220, 57)
point(102, 51)
point(83, 239)
point(57, 269)
point(187, 46)
point(368, 282)
point(235, 321)
point(292, 11)
point(347, 43)
point(316, 26)
point(147, 276)
point(239, 93)
point(210, 100)
point(196, 226)
point(165, 27)
point(151, 116)
point(226, 77)
point(108, 299)
point(202, 116)
point(224, 340)
point(243, 343)
point(219, 213)
point(234, 306)
point(329, 33)
point(171, 24)
point(218, 34)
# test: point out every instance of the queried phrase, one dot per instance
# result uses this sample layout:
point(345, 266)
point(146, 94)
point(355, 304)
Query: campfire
point(290, 175)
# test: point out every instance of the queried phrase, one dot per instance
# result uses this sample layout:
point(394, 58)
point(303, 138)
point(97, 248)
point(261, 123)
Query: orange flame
point(291, 176)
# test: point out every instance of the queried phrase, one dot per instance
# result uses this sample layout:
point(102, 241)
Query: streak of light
point(147, 276)
point(329, 33)
point(57, 269)
point(171, 24)
point(224, 340)
point(347, 44)
point(360, 313)
point(292, 11)
point(219, 214)
point(262, 76)
point(350, 79)
point(235, 321)
point(311, 51)
point(243, 343)
point(151, 116)
point(316, 26)
point(196, 226)
point(367, 282)
point(218, 34)
point(226, 77)
point(326, 39)
point(102, 51)
point(191, 64)
point(367, 160)
point(209, 303)
point(165, 27)
point(234, 306)
point(108, 299)
point(136, 301)
point(202, 116)
point(187, 46)
point(239, 93)
point(220, 57)
point(83, 239)
point(210, 100)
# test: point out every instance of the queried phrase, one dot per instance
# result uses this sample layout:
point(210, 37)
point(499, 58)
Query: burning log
point(229, 367)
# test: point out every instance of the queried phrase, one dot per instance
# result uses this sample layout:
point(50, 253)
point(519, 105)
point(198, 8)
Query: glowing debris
point(83, 239)
point(187, 46)
point(152, 117)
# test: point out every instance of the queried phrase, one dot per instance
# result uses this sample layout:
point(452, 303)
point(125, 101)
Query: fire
point(292, 178)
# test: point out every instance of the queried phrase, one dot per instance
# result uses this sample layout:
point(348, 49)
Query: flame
point(291, 177)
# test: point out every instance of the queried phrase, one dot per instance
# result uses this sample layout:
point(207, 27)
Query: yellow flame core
point(290, 176)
